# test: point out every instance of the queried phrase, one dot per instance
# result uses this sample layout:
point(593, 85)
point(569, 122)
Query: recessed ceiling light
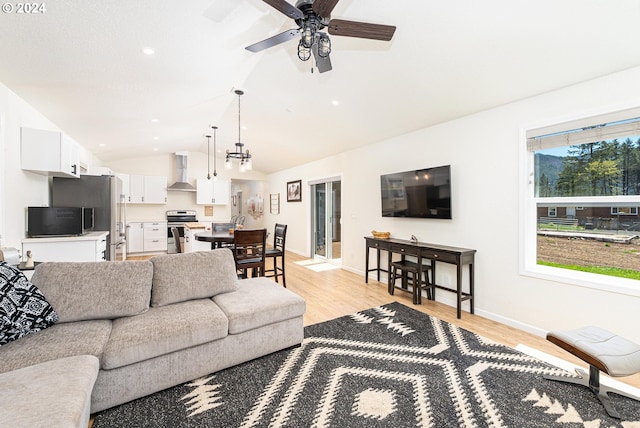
point(156, 138)
point(155, 149)
point(335, 102)
point(148, 51)
point(154, 120)
point(102, 144)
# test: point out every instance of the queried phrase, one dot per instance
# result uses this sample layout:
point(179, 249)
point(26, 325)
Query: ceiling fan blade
point(322, 64)
point(274, 40)
point(287, 8)
point(341, 27)
point(324, 7)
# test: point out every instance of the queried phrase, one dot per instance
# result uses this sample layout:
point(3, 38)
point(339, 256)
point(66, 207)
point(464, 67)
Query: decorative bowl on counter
point(380, 235)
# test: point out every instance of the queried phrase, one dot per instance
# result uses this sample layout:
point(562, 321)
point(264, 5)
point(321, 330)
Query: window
point(624, 211)
point(582, 200)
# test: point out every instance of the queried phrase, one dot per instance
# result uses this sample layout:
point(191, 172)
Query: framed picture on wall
point(294, 191)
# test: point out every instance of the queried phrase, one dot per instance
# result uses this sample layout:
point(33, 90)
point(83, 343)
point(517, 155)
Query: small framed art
point(294, 191)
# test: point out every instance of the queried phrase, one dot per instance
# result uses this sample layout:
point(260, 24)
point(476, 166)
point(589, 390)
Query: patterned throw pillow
point(23, 308)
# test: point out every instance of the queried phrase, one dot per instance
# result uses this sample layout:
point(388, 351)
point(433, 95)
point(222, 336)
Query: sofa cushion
point(188, 276)
point(52, 394)
point(95, 290)
point(23, 308)
point(163, 330)
point(58, 341)
point(259, 302)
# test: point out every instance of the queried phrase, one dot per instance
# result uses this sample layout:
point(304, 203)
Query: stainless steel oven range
point(177, 219)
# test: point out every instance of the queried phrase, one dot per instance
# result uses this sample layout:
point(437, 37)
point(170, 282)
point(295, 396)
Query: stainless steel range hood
point(181, 184)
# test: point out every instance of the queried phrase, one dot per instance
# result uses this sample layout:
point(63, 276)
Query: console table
point(434, 252)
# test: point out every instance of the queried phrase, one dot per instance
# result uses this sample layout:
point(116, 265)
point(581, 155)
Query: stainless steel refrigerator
point(104, 194)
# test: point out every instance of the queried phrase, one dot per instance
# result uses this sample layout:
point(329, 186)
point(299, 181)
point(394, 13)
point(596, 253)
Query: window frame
point(528, 204)
point(632, 211)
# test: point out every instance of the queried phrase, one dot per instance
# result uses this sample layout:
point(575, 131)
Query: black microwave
point(58, 221)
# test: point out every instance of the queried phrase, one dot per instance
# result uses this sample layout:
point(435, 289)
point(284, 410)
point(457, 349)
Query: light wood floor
point(334, 293)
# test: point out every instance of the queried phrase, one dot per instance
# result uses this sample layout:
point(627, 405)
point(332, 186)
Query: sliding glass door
point(326, 220)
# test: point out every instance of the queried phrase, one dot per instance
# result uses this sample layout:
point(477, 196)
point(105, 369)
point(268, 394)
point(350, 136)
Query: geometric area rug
point(389, 366)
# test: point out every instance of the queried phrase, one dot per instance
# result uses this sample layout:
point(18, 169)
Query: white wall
point(483, 151)
point(21, 189)
point(250, 189)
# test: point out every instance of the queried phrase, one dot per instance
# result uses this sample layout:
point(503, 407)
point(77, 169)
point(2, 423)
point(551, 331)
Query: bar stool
point(419, 279)
point(277, 252)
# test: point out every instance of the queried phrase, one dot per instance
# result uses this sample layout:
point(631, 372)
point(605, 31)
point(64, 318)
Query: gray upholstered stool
point(603, 351)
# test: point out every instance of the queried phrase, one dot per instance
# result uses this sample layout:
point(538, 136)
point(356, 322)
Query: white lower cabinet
point(155, 236)
point(191, 244)
point(135, 237)
point(143, 237)
point(91, 247)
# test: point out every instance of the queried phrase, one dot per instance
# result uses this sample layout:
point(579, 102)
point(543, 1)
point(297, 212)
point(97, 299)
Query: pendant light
point(243, 157)
point(215, 171)
point(208, 137)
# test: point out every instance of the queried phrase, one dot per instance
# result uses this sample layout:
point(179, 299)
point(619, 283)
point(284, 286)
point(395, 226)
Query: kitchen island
point(190, 242)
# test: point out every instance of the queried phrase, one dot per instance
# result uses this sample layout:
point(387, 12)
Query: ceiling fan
point(313, 16)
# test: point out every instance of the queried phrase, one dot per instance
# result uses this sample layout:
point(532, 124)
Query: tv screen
point(422, 193)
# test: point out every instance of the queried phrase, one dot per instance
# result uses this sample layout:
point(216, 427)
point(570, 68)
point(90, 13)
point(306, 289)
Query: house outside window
point(582, 198)
point(624, 211)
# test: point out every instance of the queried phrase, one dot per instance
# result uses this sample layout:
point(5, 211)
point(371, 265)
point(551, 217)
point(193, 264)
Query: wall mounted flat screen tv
point(422, 193)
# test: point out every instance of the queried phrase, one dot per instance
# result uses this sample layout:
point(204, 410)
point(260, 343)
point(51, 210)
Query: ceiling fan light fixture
point(311, 18)
point(324, 46)
point(304, 53)
point(308, 36)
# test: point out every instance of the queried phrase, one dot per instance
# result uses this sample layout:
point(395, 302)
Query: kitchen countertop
point(91, 236)
point(194, 225)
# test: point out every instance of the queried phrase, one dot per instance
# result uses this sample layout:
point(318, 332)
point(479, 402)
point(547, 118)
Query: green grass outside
point(611, 271)
point(565, 227)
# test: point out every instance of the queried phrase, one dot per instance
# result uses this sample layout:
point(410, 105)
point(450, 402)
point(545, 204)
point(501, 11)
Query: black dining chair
point(277, 252)
point(249, 247)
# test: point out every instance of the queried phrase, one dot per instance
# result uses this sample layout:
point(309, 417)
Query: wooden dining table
point(216, 237)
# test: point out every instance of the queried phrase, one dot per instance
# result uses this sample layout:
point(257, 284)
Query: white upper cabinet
point(147, 189)
point(210, 192)
point(49, 153)
point(136, 189)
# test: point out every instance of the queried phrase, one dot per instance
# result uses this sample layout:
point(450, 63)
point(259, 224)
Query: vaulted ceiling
point(80, 63)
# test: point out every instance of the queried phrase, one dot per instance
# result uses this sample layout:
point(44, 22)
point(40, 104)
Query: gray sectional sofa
point(154, 324)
